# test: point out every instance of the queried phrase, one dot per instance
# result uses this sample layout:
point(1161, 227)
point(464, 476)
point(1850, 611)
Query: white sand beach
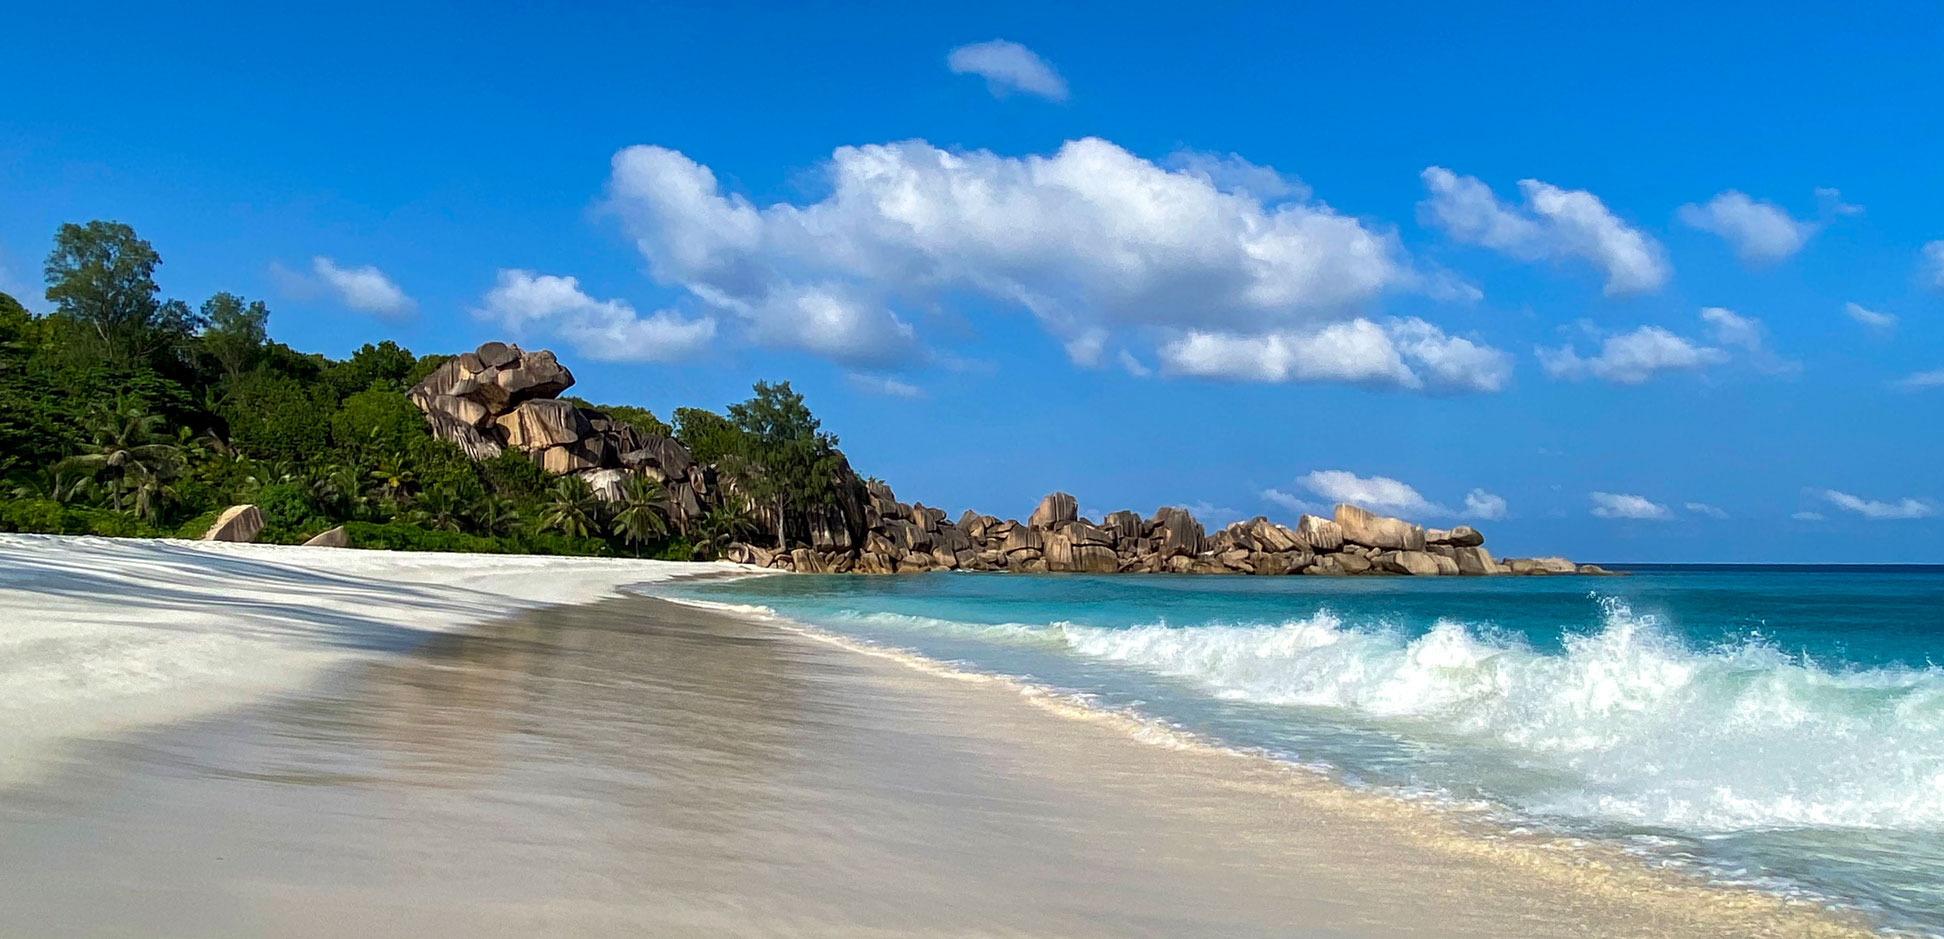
point(212, 740)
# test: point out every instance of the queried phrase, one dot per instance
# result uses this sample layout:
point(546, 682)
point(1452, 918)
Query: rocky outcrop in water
point(902, 539)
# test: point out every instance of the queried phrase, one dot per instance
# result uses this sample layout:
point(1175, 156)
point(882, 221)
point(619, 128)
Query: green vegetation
point(126, 414)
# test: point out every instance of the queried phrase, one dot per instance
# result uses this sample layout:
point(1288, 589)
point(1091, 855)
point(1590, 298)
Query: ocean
point(1776, 728)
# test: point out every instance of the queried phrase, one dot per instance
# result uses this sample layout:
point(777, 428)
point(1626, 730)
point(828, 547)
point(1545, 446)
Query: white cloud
point(1376, 493)
point(1921, 381)
point(1748, 334)
point(1908, 508)
point(1808, 516)
point(605, 330)
point(1631, 358)
point(1931, 265)
point(1132, 365)
point(1622, 505)
point(1881, 322)
point(1483, 505)
point(365, 289)
point(1702, 508)
point(1758, 231)
point(1232, 173)
point(1554, 223)
point(1103, 248)
point(883, 385)
point(1830, 200)
point(1008, 67)
point(1409, 354)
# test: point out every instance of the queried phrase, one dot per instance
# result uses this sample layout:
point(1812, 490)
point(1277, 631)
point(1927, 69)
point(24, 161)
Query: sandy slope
point(102, 635)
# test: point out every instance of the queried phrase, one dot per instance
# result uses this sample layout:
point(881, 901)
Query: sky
point(1648, 282)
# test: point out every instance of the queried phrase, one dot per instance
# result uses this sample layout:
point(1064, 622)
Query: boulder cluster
point(500, 397)
point(900, 538)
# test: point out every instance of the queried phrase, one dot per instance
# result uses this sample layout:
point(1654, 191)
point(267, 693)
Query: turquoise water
point(1782, 729)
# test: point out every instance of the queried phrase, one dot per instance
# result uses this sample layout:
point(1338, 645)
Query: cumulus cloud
point(1930, 267)
point(1702, 508)
point(1624, 505)
point(1553, 223)
point(1631, 358)
point(1880, 322)
point(1757, 230)
point(1409, 354)
point(1832, 204)
point(605, 330)
point(1008, 67)
point(1480, 504)
point(1102, 247)
point(1907, 508)
point(365, 289)
point(1921, 381)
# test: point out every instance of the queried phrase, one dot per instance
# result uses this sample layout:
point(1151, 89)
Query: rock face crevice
point(902, 539)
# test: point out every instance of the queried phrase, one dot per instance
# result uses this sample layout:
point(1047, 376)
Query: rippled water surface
point(1778, 728)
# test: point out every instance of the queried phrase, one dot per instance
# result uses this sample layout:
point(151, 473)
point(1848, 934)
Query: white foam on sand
point(102, 636)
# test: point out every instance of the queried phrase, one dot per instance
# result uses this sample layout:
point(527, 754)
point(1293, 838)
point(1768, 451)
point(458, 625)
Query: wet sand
point(633, 767)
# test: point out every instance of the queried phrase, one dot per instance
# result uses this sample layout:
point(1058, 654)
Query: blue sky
point(1241, 257)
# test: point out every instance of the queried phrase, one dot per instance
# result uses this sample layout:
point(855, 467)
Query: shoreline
point(1567, 861)
point(1177, 774)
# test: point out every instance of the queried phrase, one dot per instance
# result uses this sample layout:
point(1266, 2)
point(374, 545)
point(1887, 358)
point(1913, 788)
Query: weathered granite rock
point(497, 354)
point(1475, 561)
point(537, 425)
point(1416, 563)
point(1361, 526)
point(1057, 507)
point(1178, 532)
point(1272, 537)
point(608, 485)
point(238, 523)
point(464, 410)
point(563, 460)
point(1541, 566)
point(1462, 536)
point(534, 375)
point(1124, 525)
point(469, 439)
point(1022, 538)
point(807, 561)
point(1447, 567)
point(1353, 563)
point(1320, 534)
point(330, 538)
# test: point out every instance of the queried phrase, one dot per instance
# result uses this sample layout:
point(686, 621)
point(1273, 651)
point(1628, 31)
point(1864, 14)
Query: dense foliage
point(125, 414)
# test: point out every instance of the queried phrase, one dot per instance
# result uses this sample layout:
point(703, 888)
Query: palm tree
point(54, 484)
point(439, 508)
point(154, 490)
point(639, 516)
point(494, 515)
point(124, 445)
point(574, 511)
point(393, 479)
point(730, 520)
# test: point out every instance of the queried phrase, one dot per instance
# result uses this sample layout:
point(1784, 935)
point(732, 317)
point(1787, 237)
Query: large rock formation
point(501, 397)
point(900, 538)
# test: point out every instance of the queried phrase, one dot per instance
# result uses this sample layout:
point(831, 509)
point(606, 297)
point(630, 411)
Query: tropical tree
point(640, 514)
point(393, 479)
point(439, 508)
point(785, 458)
point(234, 333)
point(574, 510)
point(494, 515)
point(125, 444)
point(730, 520)
point(101, 279)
